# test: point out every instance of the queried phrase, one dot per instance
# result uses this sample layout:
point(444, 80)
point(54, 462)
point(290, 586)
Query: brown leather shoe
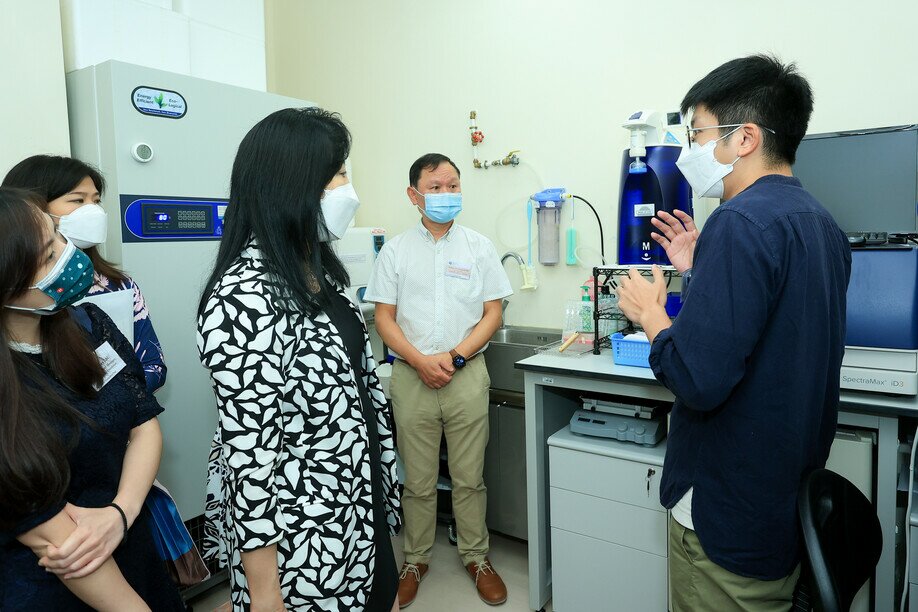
point(491, 588)
point(408, 581)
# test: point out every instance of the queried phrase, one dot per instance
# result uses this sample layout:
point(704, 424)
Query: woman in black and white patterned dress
point(302, 495)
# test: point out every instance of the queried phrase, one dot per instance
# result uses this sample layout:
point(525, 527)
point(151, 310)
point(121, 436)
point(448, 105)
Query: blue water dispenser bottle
point(650, 182)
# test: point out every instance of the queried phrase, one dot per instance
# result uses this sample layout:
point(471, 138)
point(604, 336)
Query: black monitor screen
point(867, 179)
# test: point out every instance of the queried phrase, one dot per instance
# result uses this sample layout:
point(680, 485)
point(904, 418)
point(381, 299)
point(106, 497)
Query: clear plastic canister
point(549, 235)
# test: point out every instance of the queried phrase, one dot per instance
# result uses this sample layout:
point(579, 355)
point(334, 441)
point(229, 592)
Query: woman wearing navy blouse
point(79, 439)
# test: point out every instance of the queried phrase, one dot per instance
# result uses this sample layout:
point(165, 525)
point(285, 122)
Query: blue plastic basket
point(630, 352)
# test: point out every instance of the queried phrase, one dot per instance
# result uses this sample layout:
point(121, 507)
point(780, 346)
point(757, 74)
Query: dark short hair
point(430, 161)
point(758, 89)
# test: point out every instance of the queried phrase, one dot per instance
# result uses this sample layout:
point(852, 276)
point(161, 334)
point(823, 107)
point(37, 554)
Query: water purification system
point(548, 208)
point(651, 182)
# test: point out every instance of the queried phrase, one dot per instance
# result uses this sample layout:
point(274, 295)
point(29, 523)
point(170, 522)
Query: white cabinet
point(608, 529)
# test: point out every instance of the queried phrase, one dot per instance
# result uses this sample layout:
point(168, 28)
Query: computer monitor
point(867, 179)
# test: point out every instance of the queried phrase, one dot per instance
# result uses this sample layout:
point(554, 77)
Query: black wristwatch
point(458, 360)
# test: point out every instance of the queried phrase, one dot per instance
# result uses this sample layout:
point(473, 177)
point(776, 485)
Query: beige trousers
point(422, 415)
point(697, 584)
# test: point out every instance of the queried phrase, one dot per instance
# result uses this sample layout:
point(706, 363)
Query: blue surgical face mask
point(67, 283)
point(441, 207)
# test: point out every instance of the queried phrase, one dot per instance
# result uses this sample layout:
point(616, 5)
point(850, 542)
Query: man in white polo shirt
point(438, 289)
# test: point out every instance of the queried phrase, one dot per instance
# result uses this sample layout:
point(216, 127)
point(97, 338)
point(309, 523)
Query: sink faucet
point(505, 303)
point(514, 256)
point(529, 279)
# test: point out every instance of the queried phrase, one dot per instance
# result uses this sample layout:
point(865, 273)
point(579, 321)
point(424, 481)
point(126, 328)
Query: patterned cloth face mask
point(67, 283)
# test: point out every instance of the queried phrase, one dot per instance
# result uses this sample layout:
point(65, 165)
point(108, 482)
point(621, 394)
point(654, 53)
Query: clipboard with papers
point(119, 306)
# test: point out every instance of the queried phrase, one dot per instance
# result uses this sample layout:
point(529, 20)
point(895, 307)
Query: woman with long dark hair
point(72, 191)
point(79, 439)
point(302, 486)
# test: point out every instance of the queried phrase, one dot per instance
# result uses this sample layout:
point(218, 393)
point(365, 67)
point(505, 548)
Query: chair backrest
point(842, 537)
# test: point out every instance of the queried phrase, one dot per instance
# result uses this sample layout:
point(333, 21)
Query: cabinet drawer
point(610, 521)
point(589, 574)
point(606, 477)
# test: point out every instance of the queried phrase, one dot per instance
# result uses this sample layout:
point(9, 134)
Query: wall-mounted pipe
point(477, 136)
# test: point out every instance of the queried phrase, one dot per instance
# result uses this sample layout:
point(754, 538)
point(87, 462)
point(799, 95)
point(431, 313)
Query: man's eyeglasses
point(690, 131)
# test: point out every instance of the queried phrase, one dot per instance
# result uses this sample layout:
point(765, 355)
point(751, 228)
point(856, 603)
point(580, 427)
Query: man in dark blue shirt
point(755, 353)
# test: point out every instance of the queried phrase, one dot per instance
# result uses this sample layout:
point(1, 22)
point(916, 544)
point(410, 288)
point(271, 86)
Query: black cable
point(602, 241)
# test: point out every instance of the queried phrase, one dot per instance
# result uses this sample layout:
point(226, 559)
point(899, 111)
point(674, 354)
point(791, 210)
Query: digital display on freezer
point(157, 218)
point(177, 219)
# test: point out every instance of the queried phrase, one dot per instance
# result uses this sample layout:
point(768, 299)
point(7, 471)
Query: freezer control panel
point(155, 218)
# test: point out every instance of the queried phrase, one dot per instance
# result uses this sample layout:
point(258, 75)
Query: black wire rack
point(604, 282)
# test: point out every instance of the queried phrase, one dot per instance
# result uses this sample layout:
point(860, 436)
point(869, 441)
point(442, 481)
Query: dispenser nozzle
point(637, 167)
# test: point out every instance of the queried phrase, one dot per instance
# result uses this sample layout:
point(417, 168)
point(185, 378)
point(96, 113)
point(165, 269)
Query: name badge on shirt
point(458, 269)
point(111, 363)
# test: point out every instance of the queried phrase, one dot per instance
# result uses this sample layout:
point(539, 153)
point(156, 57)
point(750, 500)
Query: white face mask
point(702, 170)
point(86, 226)
point(338, 208)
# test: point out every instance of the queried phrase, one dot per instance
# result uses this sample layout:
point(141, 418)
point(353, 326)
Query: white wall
point(219, 40)
point(33, 105)
point(557, 79)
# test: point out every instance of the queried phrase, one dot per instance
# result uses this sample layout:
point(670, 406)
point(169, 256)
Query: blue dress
point(95, 471)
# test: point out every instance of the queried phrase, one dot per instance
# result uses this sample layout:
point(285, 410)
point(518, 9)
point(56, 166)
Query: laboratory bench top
point(587, 366)
point(601, 367)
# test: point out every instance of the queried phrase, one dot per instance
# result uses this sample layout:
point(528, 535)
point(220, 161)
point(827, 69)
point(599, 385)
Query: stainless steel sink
point(529, 336)
point(509, 345)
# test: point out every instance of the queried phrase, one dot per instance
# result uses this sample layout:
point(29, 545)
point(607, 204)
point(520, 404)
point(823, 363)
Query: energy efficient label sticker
point(159, 102)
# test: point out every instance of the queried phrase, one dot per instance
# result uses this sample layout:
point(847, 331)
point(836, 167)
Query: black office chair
point(842, 537)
